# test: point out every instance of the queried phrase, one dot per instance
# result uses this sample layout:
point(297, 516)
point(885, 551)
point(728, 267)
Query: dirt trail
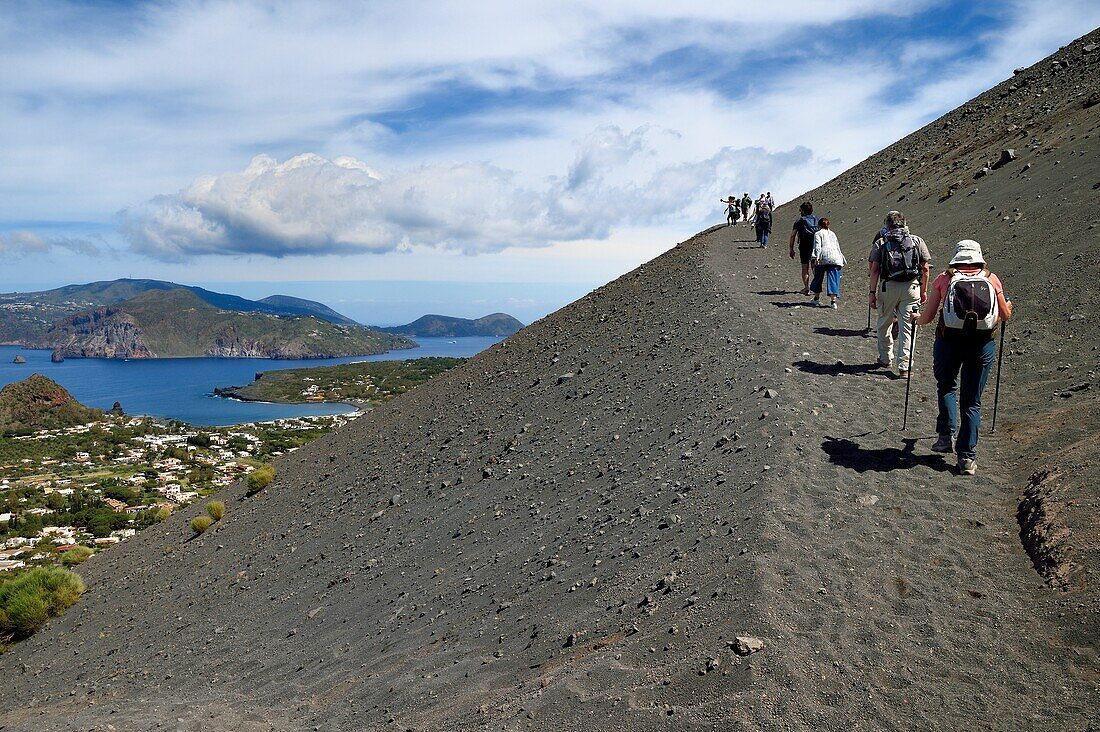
point(898, 588)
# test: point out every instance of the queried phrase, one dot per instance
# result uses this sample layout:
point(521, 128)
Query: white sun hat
point(967, 251)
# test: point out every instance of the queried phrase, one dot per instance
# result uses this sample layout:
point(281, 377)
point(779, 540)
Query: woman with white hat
point(969, 301)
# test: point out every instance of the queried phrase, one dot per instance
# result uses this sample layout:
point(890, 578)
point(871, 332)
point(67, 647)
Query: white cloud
point(25, 243)
point(311, 205)
point(108, 105)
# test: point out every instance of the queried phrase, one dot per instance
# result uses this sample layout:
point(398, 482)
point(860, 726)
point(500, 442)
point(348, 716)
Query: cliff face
point(106, 332)
point(178, 324)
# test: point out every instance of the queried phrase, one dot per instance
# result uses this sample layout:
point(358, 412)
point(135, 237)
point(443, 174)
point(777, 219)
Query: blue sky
point(492, 141)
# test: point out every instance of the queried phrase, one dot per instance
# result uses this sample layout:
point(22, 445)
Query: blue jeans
point(974, 360)
point(762, 232)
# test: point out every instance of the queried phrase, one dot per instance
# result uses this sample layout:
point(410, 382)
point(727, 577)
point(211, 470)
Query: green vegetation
point(216, 509)
point(372, 381)
point(200, 524)
point(179, 323)
point(38, 403)
point(33, 597)
point(26, 317)
point(497, 324)
point(76, 555)
point(260, 478)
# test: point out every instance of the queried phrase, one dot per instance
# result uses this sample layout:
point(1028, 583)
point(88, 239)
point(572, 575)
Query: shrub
point(260, 478)
point(76, 555)
point(34, 597)
point(216, 509)
point(200, 524)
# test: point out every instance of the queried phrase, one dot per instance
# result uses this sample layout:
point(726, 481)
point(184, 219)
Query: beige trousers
point(896, 302)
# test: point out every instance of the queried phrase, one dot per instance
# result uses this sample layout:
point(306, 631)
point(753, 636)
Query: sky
point(497, 141)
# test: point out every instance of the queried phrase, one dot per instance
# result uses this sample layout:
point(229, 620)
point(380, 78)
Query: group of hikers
point(757, 214)
point(966, 300)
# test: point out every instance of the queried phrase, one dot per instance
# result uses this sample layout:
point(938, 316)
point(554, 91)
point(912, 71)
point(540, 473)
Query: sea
point(183, 388)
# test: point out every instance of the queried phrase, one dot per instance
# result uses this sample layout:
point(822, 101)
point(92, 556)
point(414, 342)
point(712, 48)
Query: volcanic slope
point(569, 531)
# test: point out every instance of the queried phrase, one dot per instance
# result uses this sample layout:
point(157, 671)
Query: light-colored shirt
point(827, 249)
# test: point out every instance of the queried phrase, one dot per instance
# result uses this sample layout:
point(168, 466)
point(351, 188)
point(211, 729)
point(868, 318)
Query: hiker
point(733, 210)
point(827, 261)
point(769, 200)
point(762, 218)
point(969, 301)
point(746, 204)
point(899, 282)
point(804, 229)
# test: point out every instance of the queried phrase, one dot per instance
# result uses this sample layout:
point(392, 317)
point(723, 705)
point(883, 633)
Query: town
point(68, 493)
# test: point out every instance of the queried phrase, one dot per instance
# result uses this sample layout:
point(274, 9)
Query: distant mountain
point(180, 324)
point(443, 326)
point(39, 403)
point(299, 306)
point(26, 316)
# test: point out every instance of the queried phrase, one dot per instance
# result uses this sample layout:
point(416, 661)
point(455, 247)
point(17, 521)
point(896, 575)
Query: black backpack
point(810, 226)
point(900, 257)
point(764, 214)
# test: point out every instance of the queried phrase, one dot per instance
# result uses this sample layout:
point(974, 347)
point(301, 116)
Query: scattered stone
point(867, 499)
point(771, 394)
point(574, 638)
point(1007, 156)
point(566, 377)
point(744, 645)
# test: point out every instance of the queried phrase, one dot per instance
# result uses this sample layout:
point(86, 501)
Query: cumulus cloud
point(24, 243)
point(309, 205)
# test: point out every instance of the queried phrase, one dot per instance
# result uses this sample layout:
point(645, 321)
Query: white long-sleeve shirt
point(827, 249)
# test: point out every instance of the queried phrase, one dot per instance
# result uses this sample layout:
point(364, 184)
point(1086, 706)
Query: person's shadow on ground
point(835, 369)
point(845, 332)
point(799, 304)
point(772, 292)
point(849, 454)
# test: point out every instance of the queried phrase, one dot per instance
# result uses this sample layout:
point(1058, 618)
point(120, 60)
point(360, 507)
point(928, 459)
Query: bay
point(182, 388)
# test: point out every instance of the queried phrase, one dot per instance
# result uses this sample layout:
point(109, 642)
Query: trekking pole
point(997, 388)
point(909, 372)
point(868, 317)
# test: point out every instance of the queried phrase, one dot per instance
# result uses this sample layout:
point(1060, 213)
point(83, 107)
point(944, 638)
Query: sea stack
point(19, 359)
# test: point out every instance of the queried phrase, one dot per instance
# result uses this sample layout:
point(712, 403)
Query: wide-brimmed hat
point(967, 251)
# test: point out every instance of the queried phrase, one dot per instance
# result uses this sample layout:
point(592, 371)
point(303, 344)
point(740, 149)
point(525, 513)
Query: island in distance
point(498, 325)
point(138, 318)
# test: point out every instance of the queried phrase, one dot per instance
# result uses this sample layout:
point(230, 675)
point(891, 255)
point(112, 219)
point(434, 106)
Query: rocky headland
point(179, 324)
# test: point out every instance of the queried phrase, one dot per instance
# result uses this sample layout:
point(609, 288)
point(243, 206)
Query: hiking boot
point(943, 444)
point(968, 466)
point(832, 305)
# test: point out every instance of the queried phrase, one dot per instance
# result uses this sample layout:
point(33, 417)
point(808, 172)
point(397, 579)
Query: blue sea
point(182, 388)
